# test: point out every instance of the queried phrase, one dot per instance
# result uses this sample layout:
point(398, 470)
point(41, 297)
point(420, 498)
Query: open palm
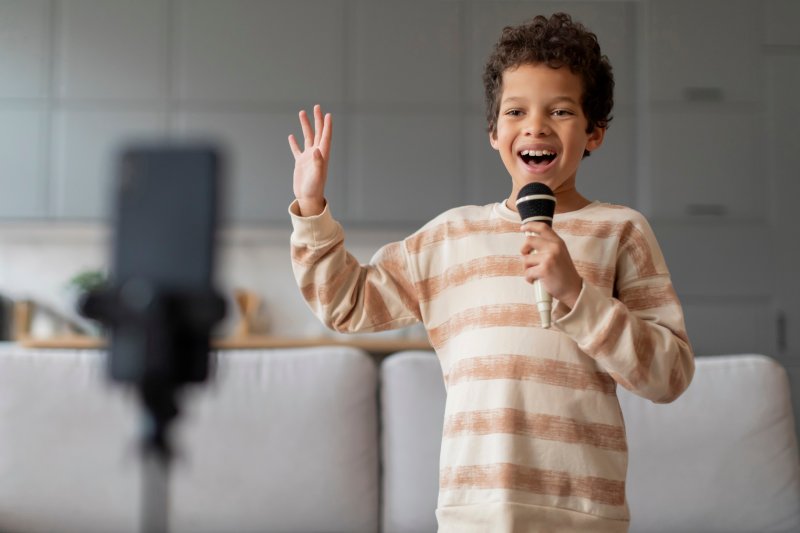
point(311, 163)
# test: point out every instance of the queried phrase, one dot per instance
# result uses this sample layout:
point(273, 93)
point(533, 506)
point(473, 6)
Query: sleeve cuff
point(579, 321)
point(314, 230)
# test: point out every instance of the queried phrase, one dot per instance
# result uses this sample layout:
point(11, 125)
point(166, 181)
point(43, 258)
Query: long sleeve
point(345, 295)
point(637, 334)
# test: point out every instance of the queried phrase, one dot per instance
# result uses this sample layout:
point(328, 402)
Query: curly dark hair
point(555, 42)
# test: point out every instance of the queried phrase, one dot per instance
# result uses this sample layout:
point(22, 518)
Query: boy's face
point(541, 128)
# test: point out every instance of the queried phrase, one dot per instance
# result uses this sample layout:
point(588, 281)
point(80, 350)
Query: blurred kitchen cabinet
point(708, 164)
point(85, 147)
point(705, 51)
point(404, 160)
point(404, 168)
point(22, 177)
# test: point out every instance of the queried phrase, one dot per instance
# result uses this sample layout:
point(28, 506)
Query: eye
point(562, 112)
point(514, 112)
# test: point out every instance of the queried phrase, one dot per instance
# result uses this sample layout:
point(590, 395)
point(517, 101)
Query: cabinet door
point(24, 44)
point(22, 152)
point(85, 147)
point(404, 160)
point(708, 163)
point(705, 50)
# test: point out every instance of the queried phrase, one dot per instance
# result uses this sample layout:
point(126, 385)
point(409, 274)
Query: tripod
point(160, 343)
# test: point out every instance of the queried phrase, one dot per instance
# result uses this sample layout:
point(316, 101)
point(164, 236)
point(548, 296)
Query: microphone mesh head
point(540, 205)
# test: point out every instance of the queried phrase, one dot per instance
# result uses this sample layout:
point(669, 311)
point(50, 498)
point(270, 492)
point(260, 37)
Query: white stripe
point(536, 197)
point(539, 218)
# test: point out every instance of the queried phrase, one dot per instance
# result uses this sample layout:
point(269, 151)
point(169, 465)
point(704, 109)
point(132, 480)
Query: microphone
point(536, 202)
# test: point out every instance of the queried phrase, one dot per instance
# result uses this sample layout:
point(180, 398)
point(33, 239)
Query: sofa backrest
point(280, 440)
point(721, 458)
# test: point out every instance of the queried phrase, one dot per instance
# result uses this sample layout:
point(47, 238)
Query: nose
point(537, 125)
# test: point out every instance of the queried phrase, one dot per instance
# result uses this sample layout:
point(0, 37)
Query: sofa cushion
point(412, 400)
point(721, 458)
point(280, 440)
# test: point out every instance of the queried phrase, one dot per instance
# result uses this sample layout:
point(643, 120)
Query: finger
point(318, 160)
point(539, 228)
point(308, 136)
point(293, 145)
point(327, 132)
point(531, 274)
point(530, 245)
point(317, 124)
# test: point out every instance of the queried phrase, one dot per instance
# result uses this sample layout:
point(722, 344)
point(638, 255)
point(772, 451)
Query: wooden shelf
point(253, 342)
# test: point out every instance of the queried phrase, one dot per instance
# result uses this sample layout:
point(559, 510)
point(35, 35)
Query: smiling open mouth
point(537, 157)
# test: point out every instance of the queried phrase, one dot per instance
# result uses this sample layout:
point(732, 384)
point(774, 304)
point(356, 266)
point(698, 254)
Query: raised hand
point(311, 163)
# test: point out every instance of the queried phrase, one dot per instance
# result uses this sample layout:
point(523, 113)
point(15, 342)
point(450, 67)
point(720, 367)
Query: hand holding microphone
point(548, 264)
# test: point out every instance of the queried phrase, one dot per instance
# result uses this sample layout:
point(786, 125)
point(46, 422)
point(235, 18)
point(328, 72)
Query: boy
point(533, 436)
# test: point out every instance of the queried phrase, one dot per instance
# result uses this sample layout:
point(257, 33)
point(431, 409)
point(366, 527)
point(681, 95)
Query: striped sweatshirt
point(533, 436)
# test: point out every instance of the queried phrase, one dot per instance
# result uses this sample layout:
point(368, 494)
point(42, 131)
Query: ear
point(493, 140)
point(595, 139)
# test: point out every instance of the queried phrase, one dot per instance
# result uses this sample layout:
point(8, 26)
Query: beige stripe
point(677, 381)
point(488, 316)
point(588, 228)
point(608, 337)
point(308, 255)
point(458, 230)
point(595, 274)
point(309, 292)
point(521, 367)
point(587, 405)
point(328, 291)
point(644, 349)
point(375, 306)
point(643, 298)
point(392, 261)
point(483, 267)
point(515, 477)
point(629, 236)
point(539, 426)
point(639, 249)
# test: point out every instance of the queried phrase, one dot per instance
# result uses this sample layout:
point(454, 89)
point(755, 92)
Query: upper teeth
point(538, 153)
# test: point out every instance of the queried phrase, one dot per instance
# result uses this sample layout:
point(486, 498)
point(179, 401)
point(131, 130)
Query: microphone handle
point(544, 302)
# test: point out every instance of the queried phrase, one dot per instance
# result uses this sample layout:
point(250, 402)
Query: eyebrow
point(515, 99)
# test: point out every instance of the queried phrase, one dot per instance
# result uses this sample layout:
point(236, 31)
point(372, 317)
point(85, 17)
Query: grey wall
point(704, 139)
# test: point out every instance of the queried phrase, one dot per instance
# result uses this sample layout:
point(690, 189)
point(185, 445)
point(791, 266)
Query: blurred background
point(704, 139)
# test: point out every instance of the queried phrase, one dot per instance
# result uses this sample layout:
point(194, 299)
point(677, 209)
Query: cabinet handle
point(780, 324)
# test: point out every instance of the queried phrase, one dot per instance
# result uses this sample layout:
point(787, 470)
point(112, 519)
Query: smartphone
point(162, 264)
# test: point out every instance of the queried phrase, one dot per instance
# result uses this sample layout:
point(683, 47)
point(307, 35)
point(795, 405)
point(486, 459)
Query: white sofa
point(314, 440)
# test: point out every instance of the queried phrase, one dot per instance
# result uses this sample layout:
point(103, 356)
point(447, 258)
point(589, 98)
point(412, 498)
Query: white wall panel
point(112, 49)
point(406, 52)
point(24, 48)
point(259, 162)
point(264, 51)
point(86, 146)
point(486, 176)
point(23, 191)
point(781, 20)
point(705, 49)
point(730, 326)
point(609, 174)
point(708, 162)
point(405, 167)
